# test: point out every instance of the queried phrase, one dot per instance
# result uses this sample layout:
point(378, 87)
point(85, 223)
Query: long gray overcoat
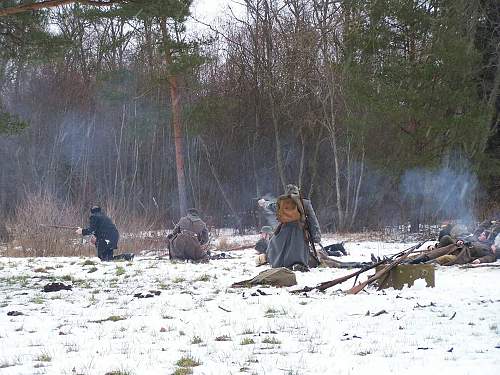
point(289, 245)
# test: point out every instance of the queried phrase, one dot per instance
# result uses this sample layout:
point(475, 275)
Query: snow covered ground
point(101, 328)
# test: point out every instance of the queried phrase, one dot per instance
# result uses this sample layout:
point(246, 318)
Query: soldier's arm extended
point(268, 205)
point(92, 226)
point(490, 258)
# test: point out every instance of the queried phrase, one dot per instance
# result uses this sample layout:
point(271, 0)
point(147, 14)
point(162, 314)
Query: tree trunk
point(176, 120)
point(333, 140)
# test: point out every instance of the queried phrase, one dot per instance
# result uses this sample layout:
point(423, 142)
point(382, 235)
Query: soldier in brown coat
point(189, 237)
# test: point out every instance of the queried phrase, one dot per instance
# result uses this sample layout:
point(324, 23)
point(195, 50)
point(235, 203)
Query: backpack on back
point(288, 209)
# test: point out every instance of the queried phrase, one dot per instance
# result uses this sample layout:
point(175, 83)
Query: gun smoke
point(445, 193)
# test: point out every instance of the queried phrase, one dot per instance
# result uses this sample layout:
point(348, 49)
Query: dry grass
point(30, 236)
point(33, 238)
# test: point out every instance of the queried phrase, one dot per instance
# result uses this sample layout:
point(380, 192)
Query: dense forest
point(383, 111)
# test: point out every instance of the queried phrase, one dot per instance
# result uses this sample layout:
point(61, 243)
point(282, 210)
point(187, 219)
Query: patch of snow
point(100, 326)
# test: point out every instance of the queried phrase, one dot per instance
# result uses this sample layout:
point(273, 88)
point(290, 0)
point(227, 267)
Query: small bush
point(37, 300)
point(9, 363)
point(183, 371)
point(112, 318)
point(247, 341)
point(223, 338)
point(187, 361)
point(271, 310)
point(203, 277)
point(271, 340)
point(196, 340)
point(44, 357)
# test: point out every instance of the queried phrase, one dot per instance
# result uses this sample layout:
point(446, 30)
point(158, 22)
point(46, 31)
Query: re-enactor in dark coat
point(289, 247)
point(188, 237)
point(105, 232)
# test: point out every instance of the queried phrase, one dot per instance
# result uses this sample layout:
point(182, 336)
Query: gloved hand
point(79, 231)
point(262, 202)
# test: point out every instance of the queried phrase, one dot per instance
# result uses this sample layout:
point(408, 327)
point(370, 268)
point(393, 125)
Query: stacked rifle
point(390, 263)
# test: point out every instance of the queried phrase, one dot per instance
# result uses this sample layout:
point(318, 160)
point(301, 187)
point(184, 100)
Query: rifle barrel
point(59, 226)
point(307, 227)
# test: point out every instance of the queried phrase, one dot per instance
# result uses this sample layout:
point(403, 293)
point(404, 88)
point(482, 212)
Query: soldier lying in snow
point(188, 238)
point(474, 250)
point(451, 233)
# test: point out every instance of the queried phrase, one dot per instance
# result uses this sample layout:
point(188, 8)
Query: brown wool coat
point(188, 238)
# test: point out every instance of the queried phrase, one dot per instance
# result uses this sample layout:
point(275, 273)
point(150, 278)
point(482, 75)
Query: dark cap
point(95, 209)
point(193, 211)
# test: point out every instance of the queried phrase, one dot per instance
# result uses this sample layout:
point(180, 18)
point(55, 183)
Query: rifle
point(328, 284)
point(59, 226)
point(395, 260)
point(307, 229)
point(242, 247)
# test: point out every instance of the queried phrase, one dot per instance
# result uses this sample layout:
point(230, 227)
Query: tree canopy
point(352, 100)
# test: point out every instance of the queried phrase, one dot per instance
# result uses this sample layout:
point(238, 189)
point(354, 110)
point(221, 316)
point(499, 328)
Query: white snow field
point(200, 325)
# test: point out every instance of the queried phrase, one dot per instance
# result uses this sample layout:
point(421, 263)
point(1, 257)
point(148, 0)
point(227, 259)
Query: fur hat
point(193, 211)
point(291, 189)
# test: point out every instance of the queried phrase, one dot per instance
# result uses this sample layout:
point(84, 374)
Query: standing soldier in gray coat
point(289, 247)
point(189, 237)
